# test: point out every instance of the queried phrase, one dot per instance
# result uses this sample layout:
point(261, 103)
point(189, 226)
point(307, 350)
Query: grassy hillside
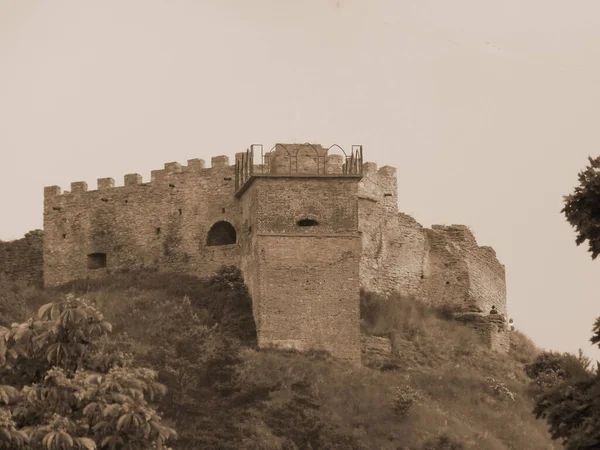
point(440, 391)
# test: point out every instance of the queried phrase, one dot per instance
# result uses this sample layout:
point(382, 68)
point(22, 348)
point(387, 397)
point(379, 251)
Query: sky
point(488, 109)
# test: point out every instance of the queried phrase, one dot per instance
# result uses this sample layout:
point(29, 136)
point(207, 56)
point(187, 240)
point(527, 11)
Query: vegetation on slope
point(441, 390)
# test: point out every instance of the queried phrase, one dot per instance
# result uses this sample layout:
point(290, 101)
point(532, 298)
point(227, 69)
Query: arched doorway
point(221, 233)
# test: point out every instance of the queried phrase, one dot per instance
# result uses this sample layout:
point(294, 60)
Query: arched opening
point(307, 223)
point(221, 233)
point(96, 261)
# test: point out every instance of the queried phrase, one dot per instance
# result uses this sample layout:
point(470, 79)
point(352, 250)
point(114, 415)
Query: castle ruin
point(308, 226)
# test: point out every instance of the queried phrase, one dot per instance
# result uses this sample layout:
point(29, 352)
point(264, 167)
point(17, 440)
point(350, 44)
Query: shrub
point(404, 400)
point(53, 399)
point(551, 367)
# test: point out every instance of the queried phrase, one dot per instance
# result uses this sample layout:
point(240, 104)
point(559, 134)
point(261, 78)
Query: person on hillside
point(494, 310)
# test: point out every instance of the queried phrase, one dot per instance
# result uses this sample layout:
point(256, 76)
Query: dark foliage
point(568, 398)
point(582, 207)
point(595, 339)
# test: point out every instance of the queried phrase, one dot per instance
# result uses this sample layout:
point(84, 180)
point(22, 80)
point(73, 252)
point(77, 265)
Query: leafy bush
point(404, 400)
point(54, 400)
point(567, 397)
point(552, 367)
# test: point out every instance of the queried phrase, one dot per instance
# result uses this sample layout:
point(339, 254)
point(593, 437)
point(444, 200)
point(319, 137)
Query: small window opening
point(126, 201)
point(221, 233)
point(422, 277)
point(56, 208)
point(179, 211)
point(104, 199)
point(96, 261)
point(447, 282)
point(307, 223)
point(157, 231)
point(387, 195)
point(171, 185)
point(64, 236)
point(223, 210)
point(227, 178)
point(250, 229)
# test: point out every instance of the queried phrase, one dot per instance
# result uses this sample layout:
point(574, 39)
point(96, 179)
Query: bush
point(552, 367)
point(53, 398)
point(404, 400)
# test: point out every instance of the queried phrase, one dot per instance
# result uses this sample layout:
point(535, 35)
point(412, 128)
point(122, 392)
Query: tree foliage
point(582, 207)
point(569, 398)
point(63, 387)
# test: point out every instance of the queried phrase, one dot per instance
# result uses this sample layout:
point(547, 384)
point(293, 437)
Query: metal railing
point(245, 168)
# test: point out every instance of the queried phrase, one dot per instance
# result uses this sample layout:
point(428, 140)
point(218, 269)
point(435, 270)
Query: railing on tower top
point(245, 168)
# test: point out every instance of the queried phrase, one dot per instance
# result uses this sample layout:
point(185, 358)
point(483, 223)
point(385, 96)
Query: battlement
point(169, 171)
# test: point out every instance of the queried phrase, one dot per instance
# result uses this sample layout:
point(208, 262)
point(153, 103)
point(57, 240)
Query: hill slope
point(441, 390)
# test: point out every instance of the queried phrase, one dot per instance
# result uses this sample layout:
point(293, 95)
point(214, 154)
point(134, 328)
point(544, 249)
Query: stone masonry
point(22, 259)
point(308, 226)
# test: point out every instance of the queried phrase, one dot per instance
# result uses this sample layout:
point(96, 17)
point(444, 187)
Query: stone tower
point(302, 248)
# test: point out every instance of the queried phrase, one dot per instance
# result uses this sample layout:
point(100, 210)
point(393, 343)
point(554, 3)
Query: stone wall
point(491, 328)
point(162, 224)
point(305, 279)
point(393, 244)
point(22, 259)
point(461, 273)
point(441, 266)
point(488, 279)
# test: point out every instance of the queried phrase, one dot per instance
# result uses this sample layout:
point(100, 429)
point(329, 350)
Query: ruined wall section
point(22, 259)
point(162, 224)
point(460, 273)
point(445, 271)
point(393, 243)
point(441, 266)
point(488, 279)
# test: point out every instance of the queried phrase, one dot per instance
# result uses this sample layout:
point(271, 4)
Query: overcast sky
point(488, 109)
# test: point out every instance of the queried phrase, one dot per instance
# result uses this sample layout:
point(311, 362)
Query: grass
point(224, 393)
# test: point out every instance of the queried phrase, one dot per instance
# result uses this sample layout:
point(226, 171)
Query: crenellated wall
point(162, 224)
point(22, 259)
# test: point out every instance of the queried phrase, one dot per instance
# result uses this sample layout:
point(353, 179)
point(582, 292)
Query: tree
point(62, 387)
point(570, 390)
point(582, 208)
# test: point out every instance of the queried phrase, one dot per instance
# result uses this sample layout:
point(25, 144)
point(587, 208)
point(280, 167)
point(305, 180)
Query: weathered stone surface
point(22, 259)
point(163, 224)
point(304, 280)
